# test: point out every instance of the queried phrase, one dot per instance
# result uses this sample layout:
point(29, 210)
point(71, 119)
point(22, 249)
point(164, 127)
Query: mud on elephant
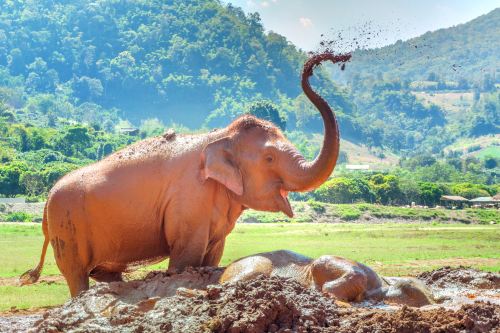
point(340, 278)
point(177, 196)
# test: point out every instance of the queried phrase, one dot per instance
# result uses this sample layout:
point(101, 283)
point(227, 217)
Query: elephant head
point(255, 161)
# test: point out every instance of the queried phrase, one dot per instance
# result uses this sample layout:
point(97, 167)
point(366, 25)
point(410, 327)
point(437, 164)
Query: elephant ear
point(218, 164)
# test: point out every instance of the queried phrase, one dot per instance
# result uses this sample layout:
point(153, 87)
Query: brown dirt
point(189, 302)
point(477, 317)
point(460, 276)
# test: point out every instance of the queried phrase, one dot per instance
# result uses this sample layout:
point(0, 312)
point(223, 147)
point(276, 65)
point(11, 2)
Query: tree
point(151, 127)
point(16, 62)
point(410, 190)
point(51, 119)
point(469, 191)
point(266, 110)
point(430, 193)
point(490, 162)
point(36, 140)
point(386, 188)
point(32, 183)
point(21, 137)
point(9, 178)
point(344, 190)
point(87, 88)
point(73, 140)
point(56, 170)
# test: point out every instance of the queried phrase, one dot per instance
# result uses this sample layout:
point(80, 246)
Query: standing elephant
point(177, 196)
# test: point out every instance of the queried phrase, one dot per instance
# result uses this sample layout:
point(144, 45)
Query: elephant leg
point(350, 287)
point(69, 261)
point(104, 276)
point(77, 282)
point(214, 254)
point(181, 259)
point(188, 251)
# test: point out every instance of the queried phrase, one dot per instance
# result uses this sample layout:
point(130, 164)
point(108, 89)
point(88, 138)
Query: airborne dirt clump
point(193, 302)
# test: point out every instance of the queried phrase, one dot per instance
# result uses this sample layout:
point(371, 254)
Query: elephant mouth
point(284, 203)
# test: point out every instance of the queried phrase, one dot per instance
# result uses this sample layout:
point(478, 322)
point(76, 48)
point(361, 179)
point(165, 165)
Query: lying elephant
point(177, 196)
point(341, 278)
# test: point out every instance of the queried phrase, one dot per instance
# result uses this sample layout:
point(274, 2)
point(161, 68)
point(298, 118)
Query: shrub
point(347, 212)
point(318, 207)
point(344, 190)
point(18, 217)
point(471, 191)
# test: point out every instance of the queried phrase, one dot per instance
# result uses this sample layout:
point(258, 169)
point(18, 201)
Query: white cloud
point(306, 22)
point(264, 4)
point(251, 3)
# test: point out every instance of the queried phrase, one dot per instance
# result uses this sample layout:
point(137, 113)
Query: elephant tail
point(33, 274)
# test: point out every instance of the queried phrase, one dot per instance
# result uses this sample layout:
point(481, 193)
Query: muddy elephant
point(343, 279)
point(177, 196)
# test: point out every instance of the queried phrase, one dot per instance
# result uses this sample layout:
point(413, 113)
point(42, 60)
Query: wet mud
point(460, 277)
point(192, 302)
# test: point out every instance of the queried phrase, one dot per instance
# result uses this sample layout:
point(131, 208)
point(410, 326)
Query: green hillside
point(467, 51)
point(191, 62)
point(74, 74)
point(427, 93)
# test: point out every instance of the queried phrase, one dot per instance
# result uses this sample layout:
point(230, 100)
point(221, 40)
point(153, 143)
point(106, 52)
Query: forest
point(74, 75)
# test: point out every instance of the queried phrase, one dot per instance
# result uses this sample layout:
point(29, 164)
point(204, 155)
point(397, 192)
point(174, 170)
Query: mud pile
point(462, 285)
point(191, 302)
point(460, 277)
point(263, 304)
point(477, 317)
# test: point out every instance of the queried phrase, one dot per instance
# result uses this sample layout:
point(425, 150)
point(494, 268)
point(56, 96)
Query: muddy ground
point(190, 302)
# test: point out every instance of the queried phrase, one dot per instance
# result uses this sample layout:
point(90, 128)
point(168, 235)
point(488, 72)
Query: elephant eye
point(269, 159)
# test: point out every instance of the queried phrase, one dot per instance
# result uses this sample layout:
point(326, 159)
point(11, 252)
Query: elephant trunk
point(307, 175)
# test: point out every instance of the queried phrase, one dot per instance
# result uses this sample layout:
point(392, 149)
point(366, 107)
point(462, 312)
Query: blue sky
point(303, 21)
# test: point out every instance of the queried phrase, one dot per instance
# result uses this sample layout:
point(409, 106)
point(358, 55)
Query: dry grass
point(454, 102)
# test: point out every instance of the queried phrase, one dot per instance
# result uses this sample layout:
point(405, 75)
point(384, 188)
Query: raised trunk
point(302, 175)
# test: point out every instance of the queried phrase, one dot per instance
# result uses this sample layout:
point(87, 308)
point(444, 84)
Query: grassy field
point(480, 147)
point(449, 101)
point(492, 151)
point(391, 249)
point(315, 211)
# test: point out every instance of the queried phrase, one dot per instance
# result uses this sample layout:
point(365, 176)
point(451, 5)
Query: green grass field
point(492, 151)
point(391, 249)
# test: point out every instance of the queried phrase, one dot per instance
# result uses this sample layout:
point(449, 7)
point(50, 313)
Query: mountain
point(76, 75)
point(470, 51)
point(200, 63)
point(191, 62)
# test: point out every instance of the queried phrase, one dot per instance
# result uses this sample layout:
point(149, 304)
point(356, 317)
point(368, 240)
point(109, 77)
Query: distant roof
point(496, 197)
point(483, 199)
point(453, 198)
